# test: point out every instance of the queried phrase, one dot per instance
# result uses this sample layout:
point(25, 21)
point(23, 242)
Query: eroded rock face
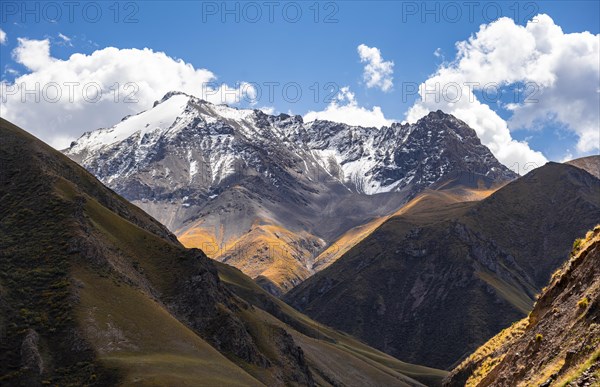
point(207, 306)
point(30, 353)
point(292, 358)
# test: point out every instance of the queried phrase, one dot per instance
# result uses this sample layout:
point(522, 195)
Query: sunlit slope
point(451, 190)
point(277, 258)
point(590, 164)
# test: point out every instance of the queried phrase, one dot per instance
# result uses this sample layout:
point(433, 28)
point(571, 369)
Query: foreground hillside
point(475, 266)
point(558, 344)
point(267, 194)
point(94, 291)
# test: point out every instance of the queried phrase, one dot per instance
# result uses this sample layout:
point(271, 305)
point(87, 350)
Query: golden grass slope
point(423, 202)
point(280, 257)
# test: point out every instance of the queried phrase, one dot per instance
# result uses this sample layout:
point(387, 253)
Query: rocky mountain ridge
point(558, 344)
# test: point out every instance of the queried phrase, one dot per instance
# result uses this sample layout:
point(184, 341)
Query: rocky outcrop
point(30, 353)
point(291, 357)
point(205, 305)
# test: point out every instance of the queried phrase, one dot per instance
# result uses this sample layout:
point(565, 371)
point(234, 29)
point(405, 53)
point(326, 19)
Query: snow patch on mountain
point(159, 118)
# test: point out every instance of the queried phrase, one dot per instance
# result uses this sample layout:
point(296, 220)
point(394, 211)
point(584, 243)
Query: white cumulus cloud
point(345, 109)
point(557, 72)
point(377, 72)
point(2, 37)
point(58, 100)
point(33, 54)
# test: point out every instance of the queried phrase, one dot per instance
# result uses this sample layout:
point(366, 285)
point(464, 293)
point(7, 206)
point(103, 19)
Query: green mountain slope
point(95, 291)
point(324, 344)
point(432, 284)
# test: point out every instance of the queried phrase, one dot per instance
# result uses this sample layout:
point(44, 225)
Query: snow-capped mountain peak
point(160, 117)
point(217, 141)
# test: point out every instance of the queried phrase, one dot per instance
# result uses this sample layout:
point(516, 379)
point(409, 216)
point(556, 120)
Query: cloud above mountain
point(344, 108)
point(60, 99)
point(557, 73)
point(377, 73)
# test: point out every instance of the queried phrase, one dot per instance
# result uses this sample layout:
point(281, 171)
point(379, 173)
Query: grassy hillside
point(41, 340)
point(318, 340)
point(94, 291)
point(475, 265)
point(85, 280)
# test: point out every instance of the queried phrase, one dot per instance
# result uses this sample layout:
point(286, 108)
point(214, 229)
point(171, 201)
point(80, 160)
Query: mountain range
point(476, 266)
point(269, 194)
point(412, 238)
point(378, 232)
point(94, 291)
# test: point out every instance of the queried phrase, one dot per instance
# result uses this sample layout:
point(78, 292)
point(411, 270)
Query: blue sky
point(318, 49)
